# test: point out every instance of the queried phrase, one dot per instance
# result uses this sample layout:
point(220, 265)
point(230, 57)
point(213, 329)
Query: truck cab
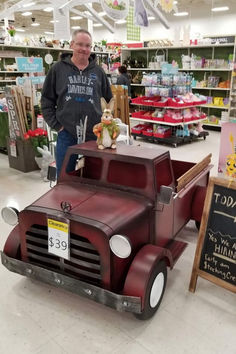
point(107, 229)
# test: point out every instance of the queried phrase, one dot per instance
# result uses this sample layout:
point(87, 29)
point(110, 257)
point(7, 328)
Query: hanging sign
point(141, 18)
point(30, 64)
point(215, 257)
point(116, 9)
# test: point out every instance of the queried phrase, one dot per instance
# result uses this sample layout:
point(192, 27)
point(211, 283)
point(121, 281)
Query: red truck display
point(107, 230)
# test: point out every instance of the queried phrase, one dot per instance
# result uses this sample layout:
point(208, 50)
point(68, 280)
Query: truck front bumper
point(105, 297)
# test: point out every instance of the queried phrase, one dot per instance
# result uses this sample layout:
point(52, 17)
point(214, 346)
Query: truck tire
point(154, 292)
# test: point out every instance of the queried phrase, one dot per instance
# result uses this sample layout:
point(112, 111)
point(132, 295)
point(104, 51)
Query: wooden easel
point(214, 260)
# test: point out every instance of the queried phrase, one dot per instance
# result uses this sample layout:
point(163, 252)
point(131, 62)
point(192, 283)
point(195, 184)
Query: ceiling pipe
point(100, 19)
point(158, 14)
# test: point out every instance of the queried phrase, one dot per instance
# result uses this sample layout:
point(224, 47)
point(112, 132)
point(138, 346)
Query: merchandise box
point(25, 159)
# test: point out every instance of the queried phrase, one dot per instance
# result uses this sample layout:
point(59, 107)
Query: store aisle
point(39, 319)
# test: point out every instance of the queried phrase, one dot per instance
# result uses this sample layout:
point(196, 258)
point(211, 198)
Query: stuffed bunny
point(46, 161)
point(107, 131)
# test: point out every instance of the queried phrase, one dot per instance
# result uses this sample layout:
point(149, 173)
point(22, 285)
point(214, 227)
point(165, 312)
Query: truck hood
point(101, 206)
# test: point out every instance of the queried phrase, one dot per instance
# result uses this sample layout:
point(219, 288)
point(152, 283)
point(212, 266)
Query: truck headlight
point(120, 246)
point(10, 215)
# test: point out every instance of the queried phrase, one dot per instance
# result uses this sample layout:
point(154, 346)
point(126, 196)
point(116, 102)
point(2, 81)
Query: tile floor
point(40, 319)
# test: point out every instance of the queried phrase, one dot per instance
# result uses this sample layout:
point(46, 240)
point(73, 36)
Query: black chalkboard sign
point(215, 257)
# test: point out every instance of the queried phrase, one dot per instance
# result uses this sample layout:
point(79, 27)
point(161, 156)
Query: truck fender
point(12, 245)
point(141, 269)
point(198, 203)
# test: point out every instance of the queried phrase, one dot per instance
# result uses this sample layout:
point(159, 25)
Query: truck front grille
point(84, 260)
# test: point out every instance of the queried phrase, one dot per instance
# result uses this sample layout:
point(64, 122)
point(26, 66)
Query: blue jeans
point(64, 140)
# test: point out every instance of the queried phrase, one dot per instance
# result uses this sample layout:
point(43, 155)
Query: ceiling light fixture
point(54, 21)
point(48, 9)
point(49, 32)
point(151, 18)
point(119, 22)
point(75, 27)
point(181, 14)
point(20, 30)
point(27, 13)
point(29, 4)
point(76, 17)
point(97, 25)
point(35, 24)
point(218, 9)
point(175, 2)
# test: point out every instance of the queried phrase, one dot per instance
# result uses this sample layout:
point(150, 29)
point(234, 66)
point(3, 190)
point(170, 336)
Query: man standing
point(72, 91)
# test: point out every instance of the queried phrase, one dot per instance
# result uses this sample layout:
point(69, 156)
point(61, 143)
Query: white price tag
point(58, 238)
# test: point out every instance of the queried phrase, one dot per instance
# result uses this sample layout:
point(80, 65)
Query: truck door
point(164, 213)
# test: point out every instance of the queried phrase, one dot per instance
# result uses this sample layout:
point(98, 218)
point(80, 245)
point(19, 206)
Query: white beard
point(106, 140)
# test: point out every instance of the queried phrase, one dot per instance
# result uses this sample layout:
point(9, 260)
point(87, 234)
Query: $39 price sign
point(58, 238)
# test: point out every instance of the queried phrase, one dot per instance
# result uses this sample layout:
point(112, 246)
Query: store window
point(85, 166)
point(127, 174)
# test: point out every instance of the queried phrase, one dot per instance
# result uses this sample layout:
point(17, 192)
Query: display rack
point(173, 138)
point(143, 56)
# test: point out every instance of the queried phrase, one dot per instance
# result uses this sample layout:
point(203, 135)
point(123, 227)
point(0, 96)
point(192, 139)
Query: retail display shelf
point(211, 125)
point(170, 107)
point(207, 69)
point(172, 140)
point(182, 47)
point(143, 69)
point(167, 123)
point(13, 72)
point(8, 80)
point(212, 106)
point(47, 48)
point(211, 88)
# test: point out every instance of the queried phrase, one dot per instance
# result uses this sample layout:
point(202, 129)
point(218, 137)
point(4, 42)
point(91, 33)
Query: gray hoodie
point(70, 94)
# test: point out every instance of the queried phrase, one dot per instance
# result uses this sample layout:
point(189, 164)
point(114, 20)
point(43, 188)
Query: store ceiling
point(196, 8)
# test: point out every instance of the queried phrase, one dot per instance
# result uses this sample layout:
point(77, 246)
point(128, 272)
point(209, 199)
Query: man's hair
point(122, 69)
point(74, 34)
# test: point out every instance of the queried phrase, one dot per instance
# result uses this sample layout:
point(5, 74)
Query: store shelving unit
point(9, 52)
point(143, 56)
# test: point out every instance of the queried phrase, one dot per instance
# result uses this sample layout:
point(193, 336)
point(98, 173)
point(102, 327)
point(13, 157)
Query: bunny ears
point(106, 105)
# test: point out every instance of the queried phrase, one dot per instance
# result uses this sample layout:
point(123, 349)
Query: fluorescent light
point(175, 2)
point(54, 21)
point(218, 9)
point(49, 32)
point(27, 13)
point(35, 24)
point(29, 4)
point(20, 30)
point(48, 9)
point(151, 18)
point(87, 13)
point(102, 14)
point(119, 22)
point(97, 25)
point(76, 17)
point(181, 14)
point(75, 27)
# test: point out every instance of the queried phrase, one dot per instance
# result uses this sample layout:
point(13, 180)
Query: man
point(72, 91)
point(123, 78)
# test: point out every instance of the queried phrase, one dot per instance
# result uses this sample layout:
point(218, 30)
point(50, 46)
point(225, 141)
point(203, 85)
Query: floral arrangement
point(11, 30)
point(38, 137)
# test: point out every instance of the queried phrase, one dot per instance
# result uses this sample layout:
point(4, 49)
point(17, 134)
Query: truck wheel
point(154, 292)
